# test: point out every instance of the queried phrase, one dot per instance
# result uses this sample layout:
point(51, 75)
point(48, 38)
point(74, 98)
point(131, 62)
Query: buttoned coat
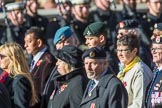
point(109, 93)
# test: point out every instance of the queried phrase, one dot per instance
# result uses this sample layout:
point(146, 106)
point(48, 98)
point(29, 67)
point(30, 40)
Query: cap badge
point(157, 39)
point(62, 38)
point(121, 24)
point(88, 33)
point(155, 26)
point(91, 54)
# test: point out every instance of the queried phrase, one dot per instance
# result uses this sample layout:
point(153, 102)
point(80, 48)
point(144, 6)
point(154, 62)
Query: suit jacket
point(109, 93)
point(155, 92)
point(4, 97)
point(41, 72)
point(68, 90)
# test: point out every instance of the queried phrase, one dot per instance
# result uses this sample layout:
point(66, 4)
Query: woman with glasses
point(134, 73)
point(16, 76)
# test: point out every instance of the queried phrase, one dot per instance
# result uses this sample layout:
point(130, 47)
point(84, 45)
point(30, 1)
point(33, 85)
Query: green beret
point(94, 53)
point(15, 6)
point(94, 29)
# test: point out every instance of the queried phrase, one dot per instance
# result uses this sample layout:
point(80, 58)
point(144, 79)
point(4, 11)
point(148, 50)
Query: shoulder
point(20, 80)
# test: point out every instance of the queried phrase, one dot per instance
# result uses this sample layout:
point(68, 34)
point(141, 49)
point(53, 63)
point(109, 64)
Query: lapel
point(88, 97)
point(103, 82)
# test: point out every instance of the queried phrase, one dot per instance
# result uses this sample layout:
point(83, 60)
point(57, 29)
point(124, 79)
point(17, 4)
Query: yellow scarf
point(127, 68)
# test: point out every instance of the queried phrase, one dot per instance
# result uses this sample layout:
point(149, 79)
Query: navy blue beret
point(62, 34)
point(71, 55)
point(94, 53)
point(127, 24)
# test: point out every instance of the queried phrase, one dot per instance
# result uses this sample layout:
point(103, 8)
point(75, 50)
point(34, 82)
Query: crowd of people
point(81, 58)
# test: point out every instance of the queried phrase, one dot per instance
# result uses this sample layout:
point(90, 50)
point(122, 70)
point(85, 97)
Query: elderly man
point(104, 89)
point(154, 94)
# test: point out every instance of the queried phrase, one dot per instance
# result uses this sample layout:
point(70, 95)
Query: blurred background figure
point(154, 15)
point(47, 4)
point(129, 10)
point(32, 17)
point(16, 76)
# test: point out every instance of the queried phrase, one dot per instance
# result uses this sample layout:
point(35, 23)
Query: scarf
point(123, 71)
point(3, 77)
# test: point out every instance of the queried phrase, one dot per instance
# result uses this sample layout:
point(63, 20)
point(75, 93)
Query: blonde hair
point(18, 64)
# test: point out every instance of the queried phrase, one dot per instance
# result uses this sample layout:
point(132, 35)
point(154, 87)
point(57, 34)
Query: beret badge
point(155, 26)
point(121, 24)
point(88, 33)
point(92, 54)
point(62, 38)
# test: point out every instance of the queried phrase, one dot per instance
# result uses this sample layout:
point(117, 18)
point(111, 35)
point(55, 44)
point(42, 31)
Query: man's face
point(92, 41)
point(155, 7)
point(31, 7)
point(94, 67)
point(125, 54)
point(81, 11)
point(157, 53)
point(131, 3)
point(31, 44)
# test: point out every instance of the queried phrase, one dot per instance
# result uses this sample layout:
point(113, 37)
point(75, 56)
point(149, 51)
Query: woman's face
point(62, 67)
point(125, 54)
point(4, 61)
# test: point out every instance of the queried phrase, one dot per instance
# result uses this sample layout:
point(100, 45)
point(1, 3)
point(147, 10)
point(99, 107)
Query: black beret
point(127, 24)
point(94, 53)
point(158, 26)
point(94, 29)
point(71, 55)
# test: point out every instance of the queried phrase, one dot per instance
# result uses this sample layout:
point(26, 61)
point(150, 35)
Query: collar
point(38, 55)
point(70, 75)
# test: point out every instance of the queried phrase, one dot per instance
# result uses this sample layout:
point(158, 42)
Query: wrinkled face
point(70, 41)
point(81, 11)
point(125, 54)
point(94, 67)
point(157, 53)
point(92, 41)
point(155, 7)
point(31, 44)
point(4, 61)
point(62, 67)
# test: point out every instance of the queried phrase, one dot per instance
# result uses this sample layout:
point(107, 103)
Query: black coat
point(109, 93)
point(19, 89)
point(68, 90)
point(4, 97)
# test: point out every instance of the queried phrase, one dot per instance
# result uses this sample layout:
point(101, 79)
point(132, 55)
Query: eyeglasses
point(156, 49)
point(2, 56)
point(123, 51)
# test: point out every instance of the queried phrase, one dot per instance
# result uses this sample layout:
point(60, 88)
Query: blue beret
point(127, 24)
point(94, 29)
point(158, 26)
point(71, 55)
point(62, 34)
point(94, 53)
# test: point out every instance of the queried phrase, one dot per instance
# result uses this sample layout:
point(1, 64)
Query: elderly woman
point(16, 76)
point(70, 85)
point(135, 74)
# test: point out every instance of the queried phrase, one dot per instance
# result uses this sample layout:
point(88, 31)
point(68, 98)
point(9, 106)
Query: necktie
point(31, 65)
point(91, 86)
